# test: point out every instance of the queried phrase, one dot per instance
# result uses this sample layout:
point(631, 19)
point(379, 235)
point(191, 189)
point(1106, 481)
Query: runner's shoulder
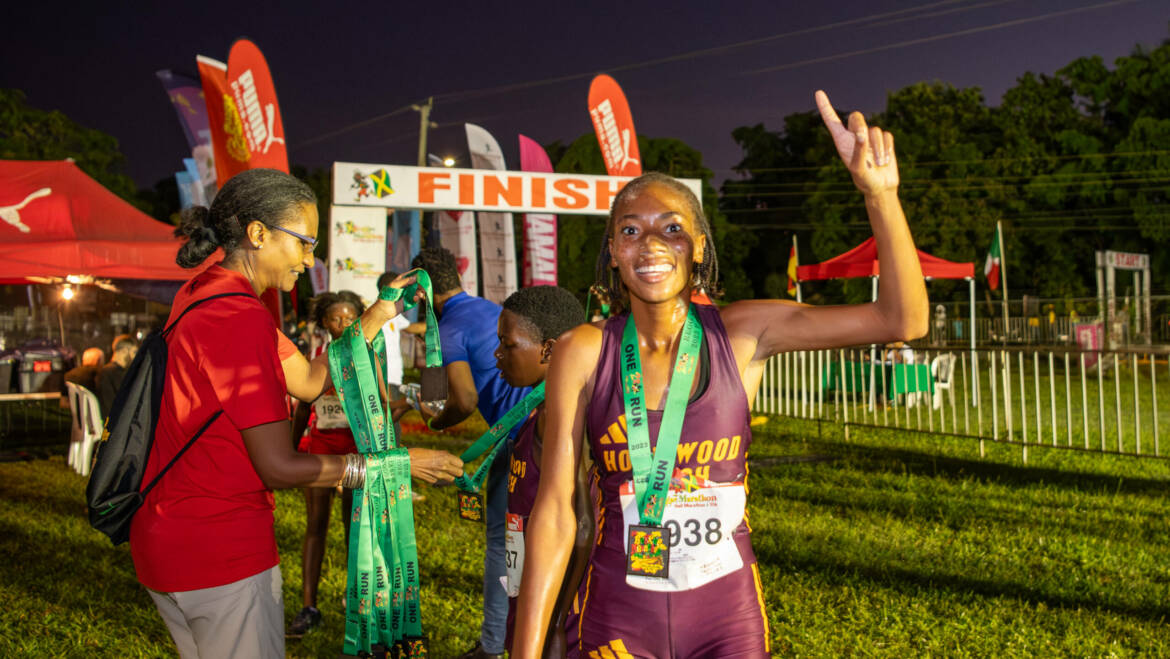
point(580, 346)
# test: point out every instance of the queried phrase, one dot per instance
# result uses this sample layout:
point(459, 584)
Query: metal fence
point(1046, 321)
point(1102, 401)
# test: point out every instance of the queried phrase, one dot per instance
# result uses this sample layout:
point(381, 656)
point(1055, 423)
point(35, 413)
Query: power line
point(936, 37)
point(702, 52)
point(925, 163)
point(1086, 177)
point(886, 17)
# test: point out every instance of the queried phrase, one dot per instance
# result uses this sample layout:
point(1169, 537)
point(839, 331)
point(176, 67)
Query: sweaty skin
point(655, 244)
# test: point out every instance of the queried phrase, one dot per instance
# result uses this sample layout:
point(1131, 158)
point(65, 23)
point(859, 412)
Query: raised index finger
point(828, 114)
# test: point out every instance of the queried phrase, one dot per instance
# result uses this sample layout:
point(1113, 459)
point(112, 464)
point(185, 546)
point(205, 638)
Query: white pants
point(244, 618)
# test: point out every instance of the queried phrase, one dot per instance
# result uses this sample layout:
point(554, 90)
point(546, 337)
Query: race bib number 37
point(699, 524)
point(514, 554)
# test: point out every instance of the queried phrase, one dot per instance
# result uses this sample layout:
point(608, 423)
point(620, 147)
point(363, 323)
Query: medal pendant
point(410, 647)
point(470, 506)
point(648, 551)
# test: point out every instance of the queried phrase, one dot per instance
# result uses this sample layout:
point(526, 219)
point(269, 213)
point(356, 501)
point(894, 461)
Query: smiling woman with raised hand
point(203, 541)
point(664, 411)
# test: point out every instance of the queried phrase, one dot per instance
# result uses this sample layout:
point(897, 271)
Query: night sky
point(336, 65)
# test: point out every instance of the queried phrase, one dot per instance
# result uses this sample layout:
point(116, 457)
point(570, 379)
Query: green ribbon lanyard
point(652, 472)
point(382, 594)
point(434, 347)
point(493, 439)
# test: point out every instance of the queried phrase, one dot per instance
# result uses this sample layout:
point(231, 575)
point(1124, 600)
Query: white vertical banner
point(496, 243)
point(357, 249)
point(457, 235)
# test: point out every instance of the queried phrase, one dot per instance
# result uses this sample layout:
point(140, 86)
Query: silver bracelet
point(355, 471)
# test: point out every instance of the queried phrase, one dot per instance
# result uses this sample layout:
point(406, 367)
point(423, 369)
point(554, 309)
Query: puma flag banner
point(614, 126)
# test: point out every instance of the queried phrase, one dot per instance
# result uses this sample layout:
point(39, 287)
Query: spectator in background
point(86, 374)
point(109, 377)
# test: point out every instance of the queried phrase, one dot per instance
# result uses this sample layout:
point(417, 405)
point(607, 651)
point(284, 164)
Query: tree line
point(1070, 163)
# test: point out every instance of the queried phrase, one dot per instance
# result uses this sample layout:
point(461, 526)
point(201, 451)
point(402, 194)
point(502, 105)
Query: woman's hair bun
point(202, 239)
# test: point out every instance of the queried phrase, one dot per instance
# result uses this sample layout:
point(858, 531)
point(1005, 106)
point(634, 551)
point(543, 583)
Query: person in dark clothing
point(109, 378)
point(86, 374)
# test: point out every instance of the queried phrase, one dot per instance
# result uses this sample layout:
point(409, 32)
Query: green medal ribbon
point(382, 593)
point(434, 347)
point(494, 439)
point(652, 472)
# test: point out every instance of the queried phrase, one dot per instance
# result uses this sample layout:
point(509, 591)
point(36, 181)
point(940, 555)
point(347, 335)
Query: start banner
point(440, 188)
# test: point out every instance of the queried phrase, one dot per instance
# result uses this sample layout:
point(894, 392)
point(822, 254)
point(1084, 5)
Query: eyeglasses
point(307, 243)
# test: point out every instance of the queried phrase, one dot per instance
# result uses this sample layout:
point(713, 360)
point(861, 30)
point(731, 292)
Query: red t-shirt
point(209, 521)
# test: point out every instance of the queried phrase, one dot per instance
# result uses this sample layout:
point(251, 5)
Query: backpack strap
point(199, 302)
point(153, 481)
point(206, 424)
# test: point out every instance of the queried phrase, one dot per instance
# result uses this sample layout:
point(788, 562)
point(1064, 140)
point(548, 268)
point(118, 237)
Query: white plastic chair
point(942, 369)
point(87, 424)
point(75, 432)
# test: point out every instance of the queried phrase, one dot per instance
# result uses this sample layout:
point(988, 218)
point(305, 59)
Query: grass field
point(891, 544)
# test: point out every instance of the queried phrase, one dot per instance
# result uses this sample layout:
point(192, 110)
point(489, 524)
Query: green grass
point(891, 544)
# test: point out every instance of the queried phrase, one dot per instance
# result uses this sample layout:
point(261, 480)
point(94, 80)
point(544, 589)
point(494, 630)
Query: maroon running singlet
point(523, 480)
point(712, 605)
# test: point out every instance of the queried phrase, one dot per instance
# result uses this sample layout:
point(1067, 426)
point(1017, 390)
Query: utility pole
point(424, 122)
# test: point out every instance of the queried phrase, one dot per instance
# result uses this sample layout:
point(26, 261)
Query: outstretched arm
point(763, 328)
point(553, 524)
point(306, 380)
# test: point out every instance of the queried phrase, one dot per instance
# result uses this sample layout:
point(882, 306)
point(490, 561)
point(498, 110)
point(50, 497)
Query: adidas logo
point(615, 649)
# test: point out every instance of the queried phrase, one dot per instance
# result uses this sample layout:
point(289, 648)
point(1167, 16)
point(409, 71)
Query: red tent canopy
point(862, 261)
point(56, 221)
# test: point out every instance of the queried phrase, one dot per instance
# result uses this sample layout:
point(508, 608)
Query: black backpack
point(113, 494)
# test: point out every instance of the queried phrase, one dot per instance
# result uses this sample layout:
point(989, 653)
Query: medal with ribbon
point(382, 593)
point(648, 542)
point(471, 506)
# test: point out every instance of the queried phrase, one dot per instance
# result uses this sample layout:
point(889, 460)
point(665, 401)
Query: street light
point(448, 161)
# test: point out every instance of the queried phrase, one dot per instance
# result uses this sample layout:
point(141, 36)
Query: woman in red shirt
point(203, 542)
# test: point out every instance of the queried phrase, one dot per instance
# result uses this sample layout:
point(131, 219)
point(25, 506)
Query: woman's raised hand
point(402, 281)
point(868, 152)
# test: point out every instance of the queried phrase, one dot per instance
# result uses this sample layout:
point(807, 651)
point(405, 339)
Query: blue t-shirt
point(467, 331)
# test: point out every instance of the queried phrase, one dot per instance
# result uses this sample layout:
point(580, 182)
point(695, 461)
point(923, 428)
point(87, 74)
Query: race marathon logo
point(377, 184)
point(358, 268)
point(359, 233)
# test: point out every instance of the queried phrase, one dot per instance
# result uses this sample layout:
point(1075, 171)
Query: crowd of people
point(625, 415)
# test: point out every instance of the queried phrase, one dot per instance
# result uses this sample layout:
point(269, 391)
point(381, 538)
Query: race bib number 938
point(701, 520)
